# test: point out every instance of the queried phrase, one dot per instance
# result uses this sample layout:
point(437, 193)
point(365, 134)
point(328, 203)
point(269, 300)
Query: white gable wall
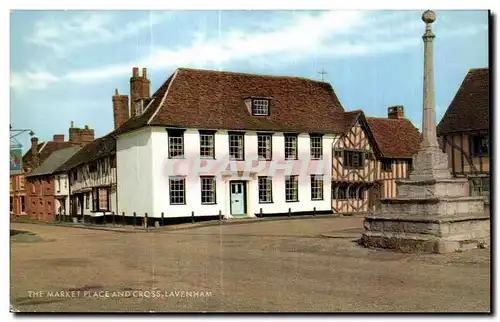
point(134, 173)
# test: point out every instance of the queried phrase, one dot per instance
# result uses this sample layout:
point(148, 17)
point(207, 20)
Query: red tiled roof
point(396, 138)
point(215, 100)
point(470, 108)
point(350, 118)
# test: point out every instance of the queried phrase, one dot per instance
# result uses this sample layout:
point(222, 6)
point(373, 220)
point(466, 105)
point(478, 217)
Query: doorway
point(237, 191)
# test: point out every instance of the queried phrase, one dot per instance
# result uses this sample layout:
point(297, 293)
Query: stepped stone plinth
point(432, 211)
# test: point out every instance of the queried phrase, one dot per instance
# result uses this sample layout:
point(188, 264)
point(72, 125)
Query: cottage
point(369, 157)
point(464, 132)
point(47, 195)
point(20, 189)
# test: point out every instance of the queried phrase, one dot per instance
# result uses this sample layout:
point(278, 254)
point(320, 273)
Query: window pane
point(265, 189)
point(260, 107)
point(290, 147)
point(207, 145)
point(264, 146)
point(175, 145)
point(291, 188)
point(236, 146)
point(103, 199)
point(316, 187)
point(208, 190)
point(177, 191)
point(316, 147)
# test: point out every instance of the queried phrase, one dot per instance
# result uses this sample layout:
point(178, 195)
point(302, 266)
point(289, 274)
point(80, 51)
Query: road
point(264, 266)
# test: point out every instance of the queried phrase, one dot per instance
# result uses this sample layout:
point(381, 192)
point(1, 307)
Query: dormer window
point(260, 107)
point(139, 107)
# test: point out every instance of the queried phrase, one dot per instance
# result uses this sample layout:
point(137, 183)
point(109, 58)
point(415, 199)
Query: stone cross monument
point(432, 211)
point(430, 162)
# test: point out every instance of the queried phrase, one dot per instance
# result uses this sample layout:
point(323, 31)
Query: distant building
point(34, 189)
point(47, 195)
point(464, 132)
point(369, 157)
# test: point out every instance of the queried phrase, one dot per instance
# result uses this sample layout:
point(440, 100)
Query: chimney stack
point(139, 88)
point(34, 152)
point(80, 137)
point(120, 109)
point(59, 138)
point(396, 112)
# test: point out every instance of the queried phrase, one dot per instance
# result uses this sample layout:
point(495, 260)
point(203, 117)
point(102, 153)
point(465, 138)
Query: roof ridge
point(250, 74)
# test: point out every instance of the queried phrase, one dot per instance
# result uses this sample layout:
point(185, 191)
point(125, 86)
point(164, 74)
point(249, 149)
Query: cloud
point(32, 79)
point(301, 36)
point(63, 36)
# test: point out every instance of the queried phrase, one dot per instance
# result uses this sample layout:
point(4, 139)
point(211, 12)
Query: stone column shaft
point(429, 110)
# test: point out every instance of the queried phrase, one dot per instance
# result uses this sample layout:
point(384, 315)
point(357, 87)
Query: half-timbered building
point(464, 132)
point(368, 159)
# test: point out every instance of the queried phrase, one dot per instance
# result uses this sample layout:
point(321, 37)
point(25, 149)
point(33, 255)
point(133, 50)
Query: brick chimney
point(139, 87)
point(59, 138)
point(80, 137)
point(146, 84)
point(34, 152)
point(396, 112)
point(120, 109)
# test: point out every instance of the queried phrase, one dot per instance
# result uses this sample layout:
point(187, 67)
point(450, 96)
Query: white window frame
point(236, 146)
point(260, 107)
point(316, 145)
point(175, 144)
point(291, 188)
point(206, 145)
point(265, 146)
point(208, 190)
point(177, 190)
point(265, 189)
point(317, 191)
point(291, 146)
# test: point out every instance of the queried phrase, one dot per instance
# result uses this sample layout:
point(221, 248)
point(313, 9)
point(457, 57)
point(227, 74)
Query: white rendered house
point(209, 143)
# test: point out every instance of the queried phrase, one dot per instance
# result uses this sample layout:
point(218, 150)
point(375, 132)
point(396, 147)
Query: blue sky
point(65, 65)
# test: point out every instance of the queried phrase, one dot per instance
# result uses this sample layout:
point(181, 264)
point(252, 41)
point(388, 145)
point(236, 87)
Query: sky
point(65, 65)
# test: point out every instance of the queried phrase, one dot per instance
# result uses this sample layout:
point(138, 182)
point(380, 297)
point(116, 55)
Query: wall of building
point(150, 146)
point(17, 194)
point(370, 176)
point(135, 168)
point(460, 160)
point(40, 198)
point(102, 176)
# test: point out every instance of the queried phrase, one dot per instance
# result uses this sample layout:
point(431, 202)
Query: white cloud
point(32, 79)
point(62, 37)
point(334, 33)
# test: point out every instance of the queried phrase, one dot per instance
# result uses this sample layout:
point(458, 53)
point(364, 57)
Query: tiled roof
point(396, 138)
point(215, 100)
point(44, 151)
point(470, 108)
point(53, 161)
point(350, 118)
point(99, 148)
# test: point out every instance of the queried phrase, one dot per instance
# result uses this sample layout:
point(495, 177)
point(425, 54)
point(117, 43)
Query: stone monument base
point(424, 233)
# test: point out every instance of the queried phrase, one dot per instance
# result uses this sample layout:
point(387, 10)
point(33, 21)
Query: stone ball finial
point(429, 16)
